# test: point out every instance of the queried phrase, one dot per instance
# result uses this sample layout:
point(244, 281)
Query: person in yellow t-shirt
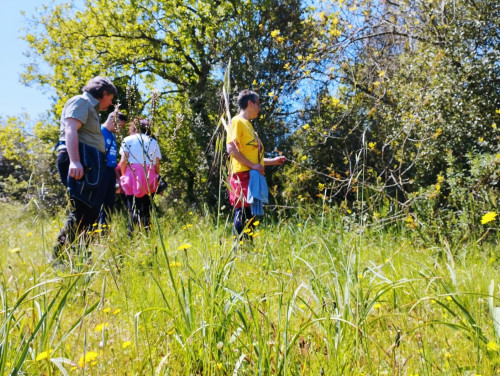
point(247, 153)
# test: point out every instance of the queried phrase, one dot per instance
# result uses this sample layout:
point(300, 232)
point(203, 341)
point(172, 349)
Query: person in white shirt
point(140, 168)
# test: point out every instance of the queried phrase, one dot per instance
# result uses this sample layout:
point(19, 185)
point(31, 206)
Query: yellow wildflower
point(256, 223)
point(14, 250)
point(29, 234)
point(305, 127)
point(377, 305)
point(184, 247)
point(126, 344)
point(43, 355)
point(116, 311)
point(106, 310)
point(492, 346)
point(321, 186)
point(303, 158)
point(409, 219)
point(372, 145)
point(100, 327)
point(488, 217)
point(275, 33)
point(87, 358)
point(494, 125)
point(447, 355)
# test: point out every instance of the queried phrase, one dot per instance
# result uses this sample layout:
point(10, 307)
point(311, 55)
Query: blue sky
point(15, 97)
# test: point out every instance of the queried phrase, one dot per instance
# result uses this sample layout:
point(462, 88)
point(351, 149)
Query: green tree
point(180, 48)
point(408, 84)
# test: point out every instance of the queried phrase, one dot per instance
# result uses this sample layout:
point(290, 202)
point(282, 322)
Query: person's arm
point(157, 165)
point(274, 161)
point(233, 151)
point(71, 131)
point(124, 162)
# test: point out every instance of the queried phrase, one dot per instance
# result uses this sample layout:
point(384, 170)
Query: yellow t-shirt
point(247, 141)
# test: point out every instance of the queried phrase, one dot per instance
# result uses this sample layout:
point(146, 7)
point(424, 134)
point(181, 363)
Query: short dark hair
point(142, 126)
point(98, 85)
point(245, 96)
point(113, 115)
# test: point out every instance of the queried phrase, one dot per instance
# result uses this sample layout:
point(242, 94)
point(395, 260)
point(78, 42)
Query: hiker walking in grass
point(81, 156)
point(111, 176)
point(140, 168)
point(248, 188)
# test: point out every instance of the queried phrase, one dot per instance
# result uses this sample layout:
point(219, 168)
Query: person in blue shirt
point(108, 130)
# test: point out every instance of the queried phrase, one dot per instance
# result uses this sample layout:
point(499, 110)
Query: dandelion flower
point(275, 33)
point(184, 247)
point(106, 310)
point(14, 250)
point(87, 358)
point(303, 158)
point(488, 217)
point(256, 223)
point(492, 346)
point(377, 306)
point(126, 344)
point(305, 126)
point(29, 234)
point(449, 298)
point(43, 355)
point(117, 311)
point(100, 327)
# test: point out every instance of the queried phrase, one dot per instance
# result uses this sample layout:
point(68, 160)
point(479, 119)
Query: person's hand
point(76, 170)
point(259, 168)
point(280, 160)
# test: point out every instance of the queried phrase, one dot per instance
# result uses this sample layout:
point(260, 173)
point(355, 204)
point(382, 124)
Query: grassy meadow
point(309, 295)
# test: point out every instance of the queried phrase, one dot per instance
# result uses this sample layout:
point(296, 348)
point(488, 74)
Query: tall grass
point(304, 297)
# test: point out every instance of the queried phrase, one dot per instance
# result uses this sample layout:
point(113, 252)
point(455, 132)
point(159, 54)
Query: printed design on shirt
point(253, 143)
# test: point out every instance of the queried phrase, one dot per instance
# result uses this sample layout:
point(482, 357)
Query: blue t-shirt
point(111, 147)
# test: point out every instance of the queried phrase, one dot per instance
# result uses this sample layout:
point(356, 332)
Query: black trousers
point(109, 190)
point(139, 211)
point(241, 217)
point(81, 217)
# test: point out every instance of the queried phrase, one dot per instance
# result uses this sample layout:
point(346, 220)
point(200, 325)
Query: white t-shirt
point(140, 147)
